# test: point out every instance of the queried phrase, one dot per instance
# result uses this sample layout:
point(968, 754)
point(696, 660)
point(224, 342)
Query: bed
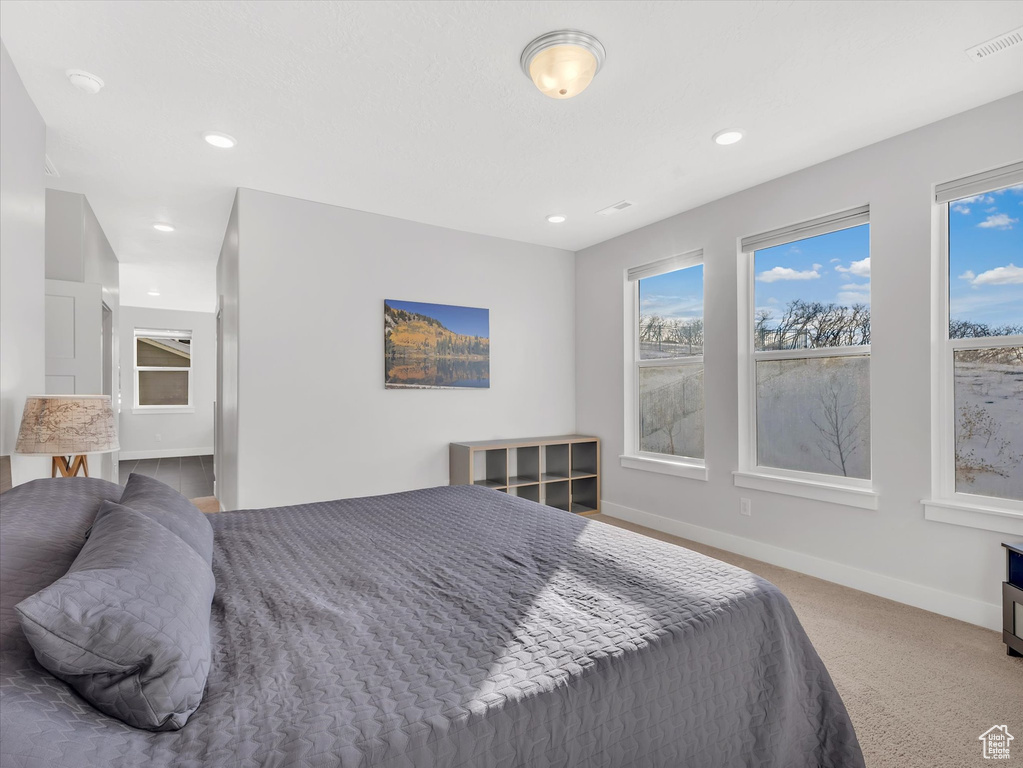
point(446, 627)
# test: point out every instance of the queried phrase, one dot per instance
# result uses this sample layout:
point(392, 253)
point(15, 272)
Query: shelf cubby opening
point(556, 465)
point(531, 492)
point(490, 467)
point(524, 465)
point(584, 459)
point(584, 495)
point(557, 494)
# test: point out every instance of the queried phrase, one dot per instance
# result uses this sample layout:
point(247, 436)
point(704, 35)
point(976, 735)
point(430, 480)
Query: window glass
point(163, 387)
point(985, 264)
point(671, 314)
point(813, 293)
point(669, 369)
point(671, 410)
point(989, 422)
point(813, 415)
point(164, 352)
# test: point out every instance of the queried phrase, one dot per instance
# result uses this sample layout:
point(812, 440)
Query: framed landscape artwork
point(435, 346)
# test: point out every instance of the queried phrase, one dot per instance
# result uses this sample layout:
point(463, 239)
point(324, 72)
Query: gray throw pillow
point(172, 510)
point(128, 626)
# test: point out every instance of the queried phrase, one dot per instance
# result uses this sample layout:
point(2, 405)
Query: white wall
point(314, 419)
point(152, 435)
point(225, 460)
point(892, 551)
point(22, 263)
point(77, 250)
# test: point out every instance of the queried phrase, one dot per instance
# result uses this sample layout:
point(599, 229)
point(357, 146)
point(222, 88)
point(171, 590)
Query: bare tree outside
point(839, 420)
point(812, 325)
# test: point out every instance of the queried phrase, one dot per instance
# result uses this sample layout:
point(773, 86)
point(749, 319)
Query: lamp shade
point(66, 425)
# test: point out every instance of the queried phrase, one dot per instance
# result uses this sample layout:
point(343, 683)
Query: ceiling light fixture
point(85, 81)
point(153, 293)
point(556, 218)
point(561, 64)
point(163, 227)
point(219, 140)
point(728, 136)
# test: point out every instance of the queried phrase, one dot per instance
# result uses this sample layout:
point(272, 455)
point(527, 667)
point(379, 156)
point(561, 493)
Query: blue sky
point(468, 321)
point(831, 268)
point(677, 294)
point(985, 237)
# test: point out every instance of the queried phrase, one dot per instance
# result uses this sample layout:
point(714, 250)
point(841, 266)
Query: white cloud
point(856, 287)
point(859, 268)
point(1010, 274)
point(853, 297)
point(773, 300)
point(960, 208)
point(816, 267)
point(835, 261)
point(978, 199)
point(784, 273)
point(992, 209)
point(998, 221)
point(795, 249)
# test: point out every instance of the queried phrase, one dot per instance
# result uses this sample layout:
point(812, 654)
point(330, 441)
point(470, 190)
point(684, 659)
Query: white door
point(74, 338)
point(75, 350)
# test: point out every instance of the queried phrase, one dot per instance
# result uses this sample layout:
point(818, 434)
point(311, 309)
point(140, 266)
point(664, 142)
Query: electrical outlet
point(745, 507)
point(159, 438)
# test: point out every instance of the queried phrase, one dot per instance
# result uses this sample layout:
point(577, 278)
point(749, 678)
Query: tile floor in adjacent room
point(191, 476)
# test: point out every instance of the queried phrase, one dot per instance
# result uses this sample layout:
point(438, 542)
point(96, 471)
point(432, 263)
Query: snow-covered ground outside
point(989, 425)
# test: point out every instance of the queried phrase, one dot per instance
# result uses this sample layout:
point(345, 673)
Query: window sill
point(974, 516)
point(665, 467)
point(833, 493)
point(156, 409)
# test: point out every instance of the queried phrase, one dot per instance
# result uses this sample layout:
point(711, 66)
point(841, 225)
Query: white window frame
point(634, 458)
point(162, 334)
point(947, 505)
point(835, 489)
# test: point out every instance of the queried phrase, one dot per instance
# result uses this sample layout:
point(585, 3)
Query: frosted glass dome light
point(562, 64)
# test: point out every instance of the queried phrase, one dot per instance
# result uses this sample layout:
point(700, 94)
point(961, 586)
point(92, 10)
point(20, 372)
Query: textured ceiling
point(419, 109)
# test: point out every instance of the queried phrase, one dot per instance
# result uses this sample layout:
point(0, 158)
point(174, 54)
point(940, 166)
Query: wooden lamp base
point(69, 466)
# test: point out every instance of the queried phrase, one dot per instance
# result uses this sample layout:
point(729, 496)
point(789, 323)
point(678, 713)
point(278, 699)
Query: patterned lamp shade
point(65, 425)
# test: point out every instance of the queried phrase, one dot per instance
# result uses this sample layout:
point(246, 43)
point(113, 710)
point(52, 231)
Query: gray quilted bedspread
point(446, 627)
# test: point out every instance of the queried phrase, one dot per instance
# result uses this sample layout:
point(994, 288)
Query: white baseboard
point(918, 595)
point(163, 453)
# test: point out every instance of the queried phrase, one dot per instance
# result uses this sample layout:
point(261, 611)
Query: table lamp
point(67, 427)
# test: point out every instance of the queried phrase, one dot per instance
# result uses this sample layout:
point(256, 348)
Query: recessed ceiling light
point(153, 293)
point(556, 218)
point(85, 81)
point(561, 64)
point(163, 227)
point(219, 140)
point(729, 136)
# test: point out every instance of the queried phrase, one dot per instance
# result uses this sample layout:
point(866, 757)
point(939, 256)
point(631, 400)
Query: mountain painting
point(435, 346)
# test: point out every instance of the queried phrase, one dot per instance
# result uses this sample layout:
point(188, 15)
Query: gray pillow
point(172, 510)
point(128, 626)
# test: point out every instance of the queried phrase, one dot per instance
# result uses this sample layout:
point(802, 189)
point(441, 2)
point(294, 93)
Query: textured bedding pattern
point(450, 627)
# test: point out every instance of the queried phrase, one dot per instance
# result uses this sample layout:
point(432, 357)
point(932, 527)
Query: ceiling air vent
point(616, 208)
point(999, 44)
point(49, 168)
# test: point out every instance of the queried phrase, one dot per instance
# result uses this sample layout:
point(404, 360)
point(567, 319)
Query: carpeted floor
point(920, 687)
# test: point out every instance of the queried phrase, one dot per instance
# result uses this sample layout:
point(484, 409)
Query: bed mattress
point(442, 628)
